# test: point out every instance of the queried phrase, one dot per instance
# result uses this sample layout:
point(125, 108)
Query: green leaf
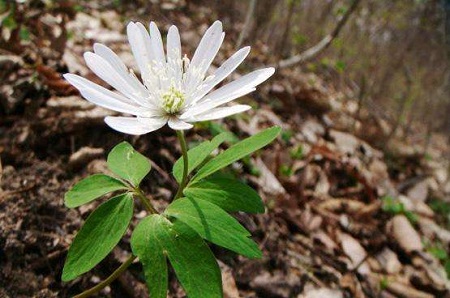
point(129, 164)
point(229, 194)
point(99, 235)
point(225, 136)
point(91, 188)
point(145, 243)
point(24, 33)
point(237, 152)
point(192, 260)
point(215, 225)
point(198, 154)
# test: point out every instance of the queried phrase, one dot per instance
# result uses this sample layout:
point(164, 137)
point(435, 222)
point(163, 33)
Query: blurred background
point(357, 186)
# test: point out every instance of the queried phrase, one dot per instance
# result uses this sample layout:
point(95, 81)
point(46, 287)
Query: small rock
point(418, 207)
point(404, 234)
point(389, 261)
point(418, 192)
point(423, 209)
point(311, 129)
point(377, 172)
point(441, 175)
point(346, 143)
point(430, 230)
point(353, 249)
point(322, 293)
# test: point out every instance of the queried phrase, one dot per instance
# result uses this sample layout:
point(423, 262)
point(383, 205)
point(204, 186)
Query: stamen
point(173, 101)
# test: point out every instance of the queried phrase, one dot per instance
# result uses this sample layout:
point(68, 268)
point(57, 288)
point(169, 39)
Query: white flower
point(173, 90)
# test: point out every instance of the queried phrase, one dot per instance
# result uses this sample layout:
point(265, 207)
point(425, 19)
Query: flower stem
point(145, 201)
point(182, 139)
point(109, 280)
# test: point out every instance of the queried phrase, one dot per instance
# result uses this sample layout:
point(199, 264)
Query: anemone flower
point(172, 88)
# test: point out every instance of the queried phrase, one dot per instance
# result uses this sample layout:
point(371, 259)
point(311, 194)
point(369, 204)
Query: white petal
point(102, 96)
point(123, 83)
point(247, 81)
point(155, 56)
point(109, 55)
point(173, 44)
point(218, 113)
point(222, 72)
point(157, 44)
point(177, 124)
point(132, 126)
point(205, 53)
point(229, 92)
point(174, 64)
point(140, 46)
point(114, 61)
point(211, 104)
point(157, 119)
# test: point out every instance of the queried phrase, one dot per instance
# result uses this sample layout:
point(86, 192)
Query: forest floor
point(348, 214)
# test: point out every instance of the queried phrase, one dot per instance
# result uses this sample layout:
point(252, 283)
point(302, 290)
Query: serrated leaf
point(229, 194)
point(198, 154)
point(99, 235)
point(192, 260)
point(237, 151)
point(129, 164)
point(215, 225)
point(91, 188)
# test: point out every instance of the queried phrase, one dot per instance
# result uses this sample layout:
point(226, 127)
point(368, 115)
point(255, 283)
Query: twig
point(402, 105)
point(282, 44)
point(5, 194)
point(321, 45)
point(248, 20)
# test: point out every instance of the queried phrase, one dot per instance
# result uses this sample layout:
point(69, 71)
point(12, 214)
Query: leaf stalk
point(108, 280)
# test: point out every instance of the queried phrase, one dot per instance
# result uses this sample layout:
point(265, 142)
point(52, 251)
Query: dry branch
point(321, 45)
point(248, 20)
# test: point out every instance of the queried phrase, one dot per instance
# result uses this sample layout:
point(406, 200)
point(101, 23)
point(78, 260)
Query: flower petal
point(229, 92)
point(174, 64)
point(132, 126)
point(140, 46)
point(173, 43)
point(211, 104)
point(204, 55)
point(177, 124)
point(218, 113)
point(157, 44)
point(109, 55)
point(123, 83)
point(102, 96)
point(114, 61)
point(155, 56)
point(222, 72)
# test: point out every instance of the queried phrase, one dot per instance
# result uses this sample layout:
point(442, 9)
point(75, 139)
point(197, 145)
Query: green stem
point(182, 139)
point(145, 201)
point(109, 280)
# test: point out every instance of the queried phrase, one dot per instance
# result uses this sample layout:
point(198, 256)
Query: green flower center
point(172, 101)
